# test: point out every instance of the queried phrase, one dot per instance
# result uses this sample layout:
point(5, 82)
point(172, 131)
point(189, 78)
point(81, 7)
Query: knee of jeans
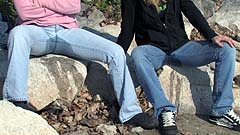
point(16, 33)
point(228, 51)
point(138, 56)
point(118, 54)
point(137, 53)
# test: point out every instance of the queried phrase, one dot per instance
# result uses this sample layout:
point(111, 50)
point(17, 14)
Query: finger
point(231, 43)
point(235, 42)
point(219, 43)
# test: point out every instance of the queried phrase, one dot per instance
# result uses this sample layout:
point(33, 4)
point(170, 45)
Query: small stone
point(137, 129)
point(56, 125)
point(97, 98)
point(107, 129)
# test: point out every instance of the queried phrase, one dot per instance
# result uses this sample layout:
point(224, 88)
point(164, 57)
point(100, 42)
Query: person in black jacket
point(161, 38)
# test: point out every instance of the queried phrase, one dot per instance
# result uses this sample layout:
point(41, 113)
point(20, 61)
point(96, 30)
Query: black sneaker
point(167, 123)
point(24, 105)
point(229, 120)
point(143, 120)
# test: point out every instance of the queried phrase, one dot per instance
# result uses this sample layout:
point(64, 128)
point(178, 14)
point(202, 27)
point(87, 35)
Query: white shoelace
point(234, 116)
point(168, 119)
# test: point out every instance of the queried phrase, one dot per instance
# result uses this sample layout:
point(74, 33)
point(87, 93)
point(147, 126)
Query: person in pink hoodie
point(50, 26)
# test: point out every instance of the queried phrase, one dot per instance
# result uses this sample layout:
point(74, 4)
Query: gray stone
point(50, 77)
point(205, 6)
point(137, 129)
point(53, 77)
point(228, 15)
point(188, 26)
point(90, 17)
point(190, 89)
point(17, 121)
point(99, 82)
point(107, 129)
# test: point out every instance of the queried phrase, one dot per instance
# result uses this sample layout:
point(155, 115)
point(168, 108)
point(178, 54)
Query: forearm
point(29, 11)
point(61, 6)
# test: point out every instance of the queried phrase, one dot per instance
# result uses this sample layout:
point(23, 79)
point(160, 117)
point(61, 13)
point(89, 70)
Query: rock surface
point(190, 89)
point(17, 121)
point(50, 77)
point(53, 77)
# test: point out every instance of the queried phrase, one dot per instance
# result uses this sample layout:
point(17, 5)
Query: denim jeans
point(148, 58)
point(76, 42)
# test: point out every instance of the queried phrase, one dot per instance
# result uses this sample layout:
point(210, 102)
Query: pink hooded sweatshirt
point(48, 12)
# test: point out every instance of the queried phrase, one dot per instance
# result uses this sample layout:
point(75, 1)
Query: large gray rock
point(17, 121)
point(228, 15)
point(53, 77)
point(50, 77)
point(90, 16)
point(205, 6)
point(207, 9)
point(190, 89)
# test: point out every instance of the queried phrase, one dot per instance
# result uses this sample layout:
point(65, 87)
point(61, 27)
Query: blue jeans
point(76, 42)
point(148, 58)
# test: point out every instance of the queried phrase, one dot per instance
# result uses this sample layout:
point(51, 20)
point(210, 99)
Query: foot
point(229, 120)
point(167, 123)
point(143, 120)
point(24, 105)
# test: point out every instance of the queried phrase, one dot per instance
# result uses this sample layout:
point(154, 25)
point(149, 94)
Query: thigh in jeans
point(83, 44)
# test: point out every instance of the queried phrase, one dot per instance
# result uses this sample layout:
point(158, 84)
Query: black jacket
point(143, 20)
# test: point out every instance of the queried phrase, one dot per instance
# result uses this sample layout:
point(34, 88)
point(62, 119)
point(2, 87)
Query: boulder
point(50, 77)
point(90, 16)
point(54, 76)
point(228, 16)
point(206, 7)
point(17, 121)
point(190, 89)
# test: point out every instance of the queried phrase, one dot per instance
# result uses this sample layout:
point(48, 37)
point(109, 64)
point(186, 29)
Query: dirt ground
point(95, 105)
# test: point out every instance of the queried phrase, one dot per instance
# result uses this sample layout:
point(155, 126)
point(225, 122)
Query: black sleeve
point(196, 18)
point(127, 25)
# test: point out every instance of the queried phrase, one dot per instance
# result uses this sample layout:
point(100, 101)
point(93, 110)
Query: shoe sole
point(220, 124)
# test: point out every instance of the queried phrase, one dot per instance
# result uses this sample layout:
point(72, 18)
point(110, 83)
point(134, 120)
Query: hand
point(219, 39)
